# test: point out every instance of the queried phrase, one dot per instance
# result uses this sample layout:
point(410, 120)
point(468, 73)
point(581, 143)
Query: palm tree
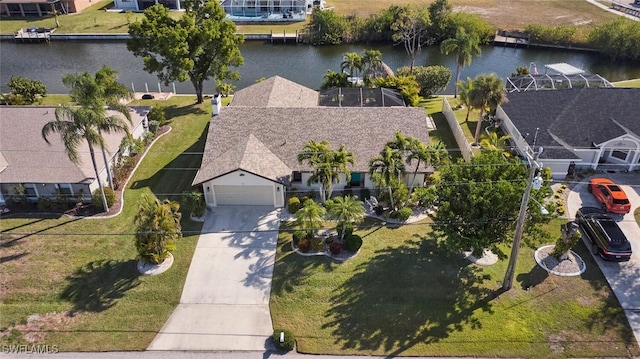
point(77, 124)
point(371, 60)
point(487, 94)
point(157, 229)
point(327, 165)
point(466, 45)
point(310, 216)
point(352, 61)
point(464, 90)
point(494, 143)
point(347, 210)
point(97, 92)
point(432, 155)
point(387, 168)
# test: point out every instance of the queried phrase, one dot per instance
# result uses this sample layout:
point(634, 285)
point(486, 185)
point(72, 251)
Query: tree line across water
point(424, 26)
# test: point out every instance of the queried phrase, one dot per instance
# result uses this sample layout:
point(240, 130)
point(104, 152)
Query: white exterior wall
point(626, 142)
point(368, 183)
point(241, 178)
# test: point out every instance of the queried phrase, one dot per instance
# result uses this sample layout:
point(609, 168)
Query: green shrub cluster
point(298, 235)
point(110, 195)
point(555, 35)
point(293, 205)
point(289, 340)
point(353, 243)
point(402, 214)
point(317, 244)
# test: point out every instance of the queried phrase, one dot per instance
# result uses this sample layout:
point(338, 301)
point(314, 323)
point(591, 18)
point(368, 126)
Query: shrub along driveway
point(225, 300)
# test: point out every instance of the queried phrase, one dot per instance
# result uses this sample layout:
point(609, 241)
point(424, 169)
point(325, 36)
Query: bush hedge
point(293, 205)
point(96, 197)
point(353, 243)
point(335, 248)
point(298, 235)
point(289, 340)
point(403, 213)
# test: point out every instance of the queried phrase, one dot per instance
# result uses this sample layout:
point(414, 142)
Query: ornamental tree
point(478, 204)
point(198, 46)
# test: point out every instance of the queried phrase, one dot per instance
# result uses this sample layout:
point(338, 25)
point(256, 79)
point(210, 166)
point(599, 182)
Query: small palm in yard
point(310, 216)
point(347, 210)
point(494, 142)
point(157, 229)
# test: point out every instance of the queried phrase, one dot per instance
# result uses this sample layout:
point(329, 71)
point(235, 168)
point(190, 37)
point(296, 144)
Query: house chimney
point(216, 104)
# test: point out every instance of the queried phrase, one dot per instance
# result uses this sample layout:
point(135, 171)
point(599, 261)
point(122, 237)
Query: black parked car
point(606, 238)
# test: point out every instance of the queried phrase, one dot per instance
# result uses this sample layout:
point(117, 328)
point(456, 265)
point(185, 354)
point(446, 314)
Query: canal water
point(301, 63)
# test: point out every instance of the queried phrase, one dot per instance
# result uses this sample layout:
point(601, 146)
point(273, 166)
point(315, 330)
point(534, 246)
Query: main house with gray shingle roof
point(590, 127)
point(252, 145)
point(27, 161)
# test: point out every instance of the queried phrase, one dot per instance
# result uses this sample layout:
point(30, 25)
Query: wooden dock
point(508, 38)
point(33, 34)
point(626, 9)
point(285, 37)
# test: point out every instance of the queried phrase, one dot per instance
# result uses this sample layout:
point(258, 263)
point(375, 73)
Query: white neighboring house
point(43, 169)
point(596, 128)
point(251, 151)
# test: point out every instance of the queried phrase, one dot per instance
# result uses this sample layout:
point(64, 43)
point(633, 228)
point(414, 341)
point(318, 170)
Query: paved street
point(225, 300)
point(624, 278)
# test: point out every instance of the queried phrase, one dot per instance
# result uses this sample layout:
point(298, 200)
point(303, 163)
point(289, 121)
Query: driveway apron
point(225, 299)
point(624, 278)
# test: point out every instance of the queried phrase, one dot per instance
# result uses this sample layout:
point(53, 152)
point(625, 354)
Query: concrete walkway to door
point(225, 300)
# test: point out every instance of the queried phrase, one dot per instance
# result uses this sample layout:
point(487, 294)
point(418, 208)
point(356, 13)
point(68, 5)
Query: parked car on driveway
point(606, 238)
point(610, 195)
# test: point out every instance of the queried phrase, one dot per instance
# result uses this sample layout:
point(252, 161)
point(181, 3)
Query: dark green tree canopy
point(432, 79)
point(198, 46)
point(478, 203)
point(24, 90)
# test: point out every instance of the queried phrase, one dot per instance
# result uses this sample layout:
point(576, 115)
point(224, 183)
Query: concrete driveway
point(624, 278)
point(225, 299)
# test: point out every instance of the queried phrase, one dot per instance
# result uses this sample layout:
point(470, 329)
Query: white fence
point(461, 139)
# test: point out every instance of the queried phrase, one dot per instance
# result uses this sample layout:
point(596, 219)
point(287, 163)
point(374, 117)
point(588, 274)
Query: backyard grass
point(87, 267)
point(96, 19)
point(504, 15)
point(404, 294)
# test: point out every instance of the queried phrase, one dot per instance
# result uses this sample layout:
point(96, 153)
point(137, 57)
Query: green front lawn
point(404, 294)
point(87, 266)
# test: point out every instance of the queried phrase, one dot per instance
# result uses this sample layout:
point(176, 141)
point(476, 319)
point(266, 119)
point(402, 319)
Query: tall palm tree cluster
point(387, 169)
point(327, 165)
point(352, 65)
point(89, 119)
point(484, 93)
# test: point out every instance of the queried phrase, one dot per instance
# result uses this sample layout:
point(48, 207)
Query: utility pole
point(515, 249)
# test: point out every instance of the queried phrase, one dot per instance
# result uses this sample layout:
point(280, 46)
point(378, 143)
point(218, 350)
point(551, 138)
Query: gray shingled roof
point(30, 159)
point(574, 118)
point(276, 92)
point(285, 131)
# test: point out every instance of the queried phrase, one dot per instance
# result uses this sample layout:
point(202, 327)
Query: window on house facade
point(356, 179)
point(297, 176)
point(30, 191)
point(64, 188)
point(620, 154)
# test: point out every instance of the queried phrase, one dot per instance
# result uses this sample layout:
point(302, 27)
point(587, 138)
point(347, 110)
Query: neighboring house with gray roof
point(590, 127)
point(251, 152)
point(43, 170)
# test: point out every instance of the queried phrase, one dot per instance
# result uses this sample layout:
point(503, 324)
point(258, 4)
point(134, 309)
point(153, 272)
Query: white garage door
point(244, 195)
